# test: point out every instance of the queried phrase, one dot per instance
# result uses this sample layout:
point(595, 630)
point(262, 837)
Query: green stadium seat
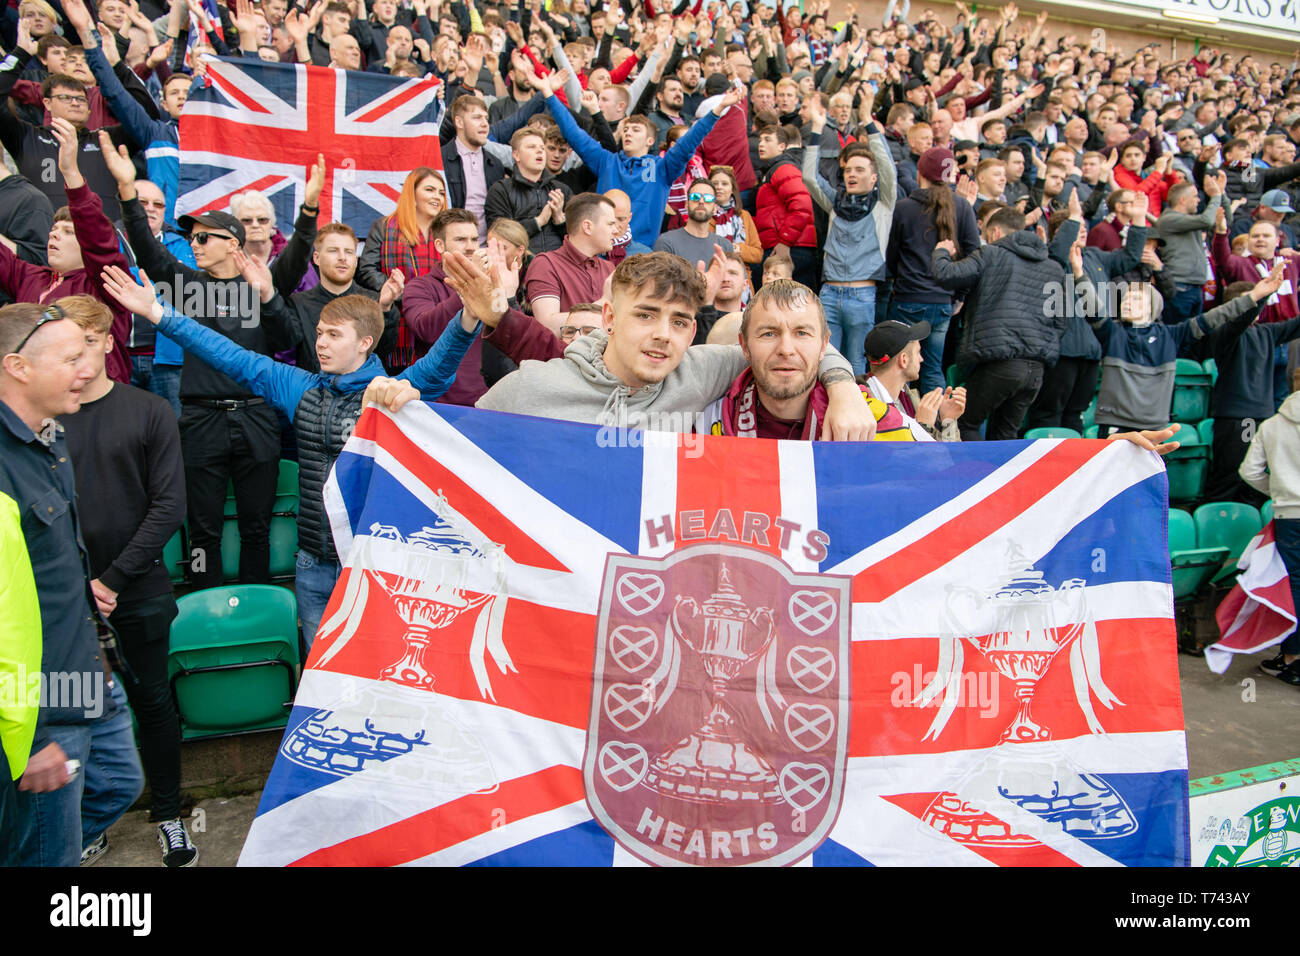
point(233, 663)
point(955, 376)
point(175, 556)
point(1212, 368)
point(1266, 512)
point(1054, 431)
point(1205, 428)
point(1188, 465)
point(1191, 567)
point(1092, 431)
point(1191, 401)
point(283, 531)
point(1226, 524)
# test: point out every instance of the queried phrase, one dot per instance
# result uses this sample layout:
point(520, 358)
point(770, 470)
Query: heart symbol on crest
point(804, 785)
point(808, 726)
point(633, 647)
point(628, 705)
point(622, 765)
point(640, 593)
point(812, 611)
point(812, 668)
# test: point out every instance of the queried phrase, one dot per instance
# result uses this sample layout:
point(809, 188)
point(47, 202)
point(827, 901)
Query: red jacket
point(1156, 186)
point(25, 282)
point(785, 210)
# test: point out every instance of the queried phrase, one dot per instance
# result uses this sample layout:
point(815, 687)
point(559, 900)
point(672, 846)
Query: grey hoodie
point(578, 387)
point(1272, 463)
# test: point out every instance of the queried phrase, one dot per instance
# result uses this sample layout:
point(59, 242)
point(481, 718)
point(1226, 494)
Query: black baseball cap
point(887, 339)
point(214, 220)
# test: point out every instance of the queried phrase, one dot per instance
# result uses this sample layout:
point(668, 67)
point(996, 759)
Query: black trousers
point(1068, 387)
point(143, 631)
point(220, 447)
point(1000, 392)
point(1232, 438)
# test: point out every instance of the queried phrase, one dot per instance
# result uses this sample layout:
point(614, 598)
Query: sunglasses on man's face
point(53, 314)
point(201, 238)
point(701, 197)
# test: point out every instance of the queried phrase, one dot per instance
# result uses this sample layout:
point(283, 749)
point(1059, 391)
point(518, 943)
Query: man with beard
point(641, 373)
point(668, 110)
point(696, 240)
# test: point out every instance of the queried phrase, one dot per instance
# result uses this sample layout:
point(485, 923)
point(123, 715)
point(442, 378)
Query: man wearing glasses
point(81, 243)
point(695, 241)
point(82, 749)
point(36, 151)
point(228, 433)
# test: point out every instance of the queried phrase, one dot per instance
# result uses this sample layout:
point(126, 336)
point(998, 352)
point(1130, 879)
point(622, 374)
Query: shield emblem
point(728, 746)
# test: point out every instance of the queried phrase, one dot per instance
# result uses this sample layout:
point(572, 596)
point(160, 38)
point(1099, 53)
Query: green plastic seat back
point(1226, 524)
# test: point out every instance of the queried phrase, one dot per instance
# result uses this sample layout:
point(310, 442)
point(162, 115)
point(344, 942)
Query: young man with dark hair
point(322, 406)
point(126, 452)
point(429, 306)
point(576, 271)
point(784, 206)
point(468, 169)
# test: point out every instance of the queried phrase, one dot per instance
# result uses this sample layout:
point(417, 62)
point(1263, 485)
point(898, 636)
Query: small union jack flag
point(259, 125)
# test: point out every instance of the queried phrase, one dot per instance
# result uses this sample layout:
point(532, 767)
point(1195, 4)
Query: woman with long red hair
point(403, 242)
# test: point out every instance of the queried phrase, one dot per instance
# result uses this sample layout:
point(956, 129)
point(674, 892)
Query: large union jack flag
point(553, 644)
point(259, 125)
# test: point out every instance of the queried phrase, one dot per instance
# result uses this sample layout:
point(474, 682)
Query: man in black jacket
point(530, 195)
point(1243, 395)
point(227, 432)
point(335, 258)
point(126, 455)
point(1009, 333)
point(470, 171)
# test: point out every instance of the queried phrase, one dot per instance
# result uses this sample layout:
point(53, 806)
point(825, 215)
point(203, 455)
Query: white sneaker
point(177, 848)
point(91, 854)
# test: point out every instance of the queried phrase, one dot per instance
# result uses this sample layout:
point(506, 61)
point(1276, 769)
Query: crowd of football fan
point(951, 229)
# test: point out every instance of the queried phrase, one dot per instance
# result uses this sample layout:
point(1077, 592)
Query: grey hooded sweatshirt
point(578, 387)
point(1272, 463)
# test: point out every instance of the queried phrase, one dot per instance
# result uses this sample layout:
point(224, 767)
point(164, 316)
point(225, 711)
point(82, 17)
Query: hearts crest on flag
point(718, 730)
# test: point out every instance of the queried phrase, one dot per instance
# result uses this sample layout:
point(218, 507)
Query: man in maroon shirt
point(574, 272)
point(429, 306)
point(81, 244)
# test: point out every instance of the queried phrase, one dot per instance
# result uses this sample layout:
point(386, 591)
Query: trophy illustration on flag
point(712, 763)
point(431, 577)
point(1021, 629)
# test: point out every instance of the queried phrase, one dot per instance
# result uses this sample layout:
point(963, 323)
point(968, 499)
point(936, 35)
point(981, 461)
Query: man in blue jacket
point(645, 178)
point(323, 407)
